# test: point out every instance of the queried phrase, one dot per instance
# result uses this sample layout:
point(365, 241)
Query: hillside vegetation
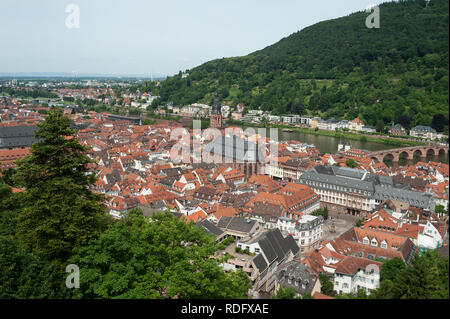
point(338, 68)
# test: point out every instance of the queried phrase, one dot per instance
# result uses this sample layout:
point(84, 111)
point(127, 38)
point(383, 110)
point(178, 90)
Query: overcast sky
point(144, 36)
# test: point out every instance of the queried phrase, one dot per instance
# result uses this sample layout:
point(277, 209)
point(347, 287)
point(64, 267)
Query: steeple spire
point(216, 108)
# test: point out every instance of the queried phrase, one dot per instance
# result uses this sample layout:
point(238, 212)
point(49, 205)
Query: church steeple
point(216, 113)
point(216, 108)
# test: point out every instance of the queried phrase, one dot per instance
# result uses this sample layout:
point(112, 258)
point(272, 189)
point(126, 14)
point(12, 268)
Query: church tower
point(216, 119)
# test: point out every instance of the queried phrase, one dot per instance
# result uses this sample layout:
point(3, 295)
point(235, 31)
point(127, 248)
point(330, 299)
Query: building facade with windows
point(354, 274)
point(356, 192)
point(307, 231)
point(423, 132)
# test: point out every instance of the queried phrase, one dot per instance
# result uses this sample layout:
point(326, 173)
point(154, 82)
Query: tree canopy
point(157, 257)
point(338, 68)
point(425, 278)
point(59, 210)
point(327, 285)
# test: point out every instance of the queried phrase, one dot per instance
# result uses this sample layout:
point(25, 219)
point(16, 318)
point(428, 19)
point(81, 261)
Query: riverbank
point(338, 134)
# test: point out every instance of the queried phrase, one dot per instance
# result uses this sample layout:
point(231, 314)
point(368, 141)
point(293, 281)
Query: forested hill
point(339, 68)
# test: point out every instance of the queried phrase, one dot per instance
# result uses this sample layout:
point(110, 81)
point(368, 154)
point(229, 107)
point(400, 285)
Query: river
point(329, 144)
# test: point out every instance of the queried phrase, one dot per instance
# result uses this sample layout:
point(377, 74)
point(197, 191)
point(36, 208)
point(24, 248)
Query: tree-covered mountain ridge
point(338, 68)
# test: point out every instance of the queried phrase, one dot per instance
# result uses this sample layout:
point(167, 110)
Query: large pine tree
point(60, 211)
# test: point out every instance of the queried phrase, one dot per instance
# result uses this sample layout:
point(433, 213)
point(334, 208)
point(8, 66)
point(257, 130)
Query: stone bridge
point(409, 152)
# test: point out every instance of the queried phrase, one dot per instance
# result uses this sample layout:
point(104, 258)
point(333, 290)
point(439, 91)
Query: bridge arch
point(431, 152)
point(408, 153)
point(418, 153)
point(388, 157)
point(403, 155)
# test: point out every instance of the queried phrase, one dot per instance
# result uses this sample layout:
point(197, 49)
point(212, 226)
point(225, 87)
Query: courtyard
point(342, 223)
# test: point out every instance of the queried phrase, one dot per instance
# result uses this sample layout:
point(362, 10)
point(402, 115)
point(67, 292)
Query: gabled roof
point(209, 227)
point(350, 265)
point(275, 246)
point(260, 262)
point(236, 224)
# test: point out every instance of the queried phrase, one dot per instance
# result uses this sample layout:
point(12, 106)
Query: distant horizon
point(138, 37)
point(71, 75)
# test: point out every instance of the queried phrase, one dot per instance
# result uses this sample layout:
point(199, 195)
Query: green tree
point(284, 293)
point(25, 275)
point(439, 209)
point(380, 126)
point(359, 222)
point(439, 122)
point(157, 257)
point(351, 163)
point(7, 176)
point(361, 294)
point(391, 269)
point(321, 212)
point(405, 121)
point(9, 210)
point(425, 278)
point(60, 212)
point(327, 285)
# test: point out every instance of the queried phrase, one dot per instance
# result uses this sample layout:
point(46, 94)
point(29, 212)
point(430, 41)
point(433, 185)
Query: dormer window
point(366, 241)
point(374, 243)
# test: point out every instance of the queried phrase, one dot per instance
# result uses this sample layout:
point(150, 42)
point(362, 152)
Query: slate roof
point(275, 246)
point(209, 227)
point(421, 128)
point(299, 275)
point(259, 262)
point(340, 176)
point(417, 199)
point(236, 224)
point(236, 148)
point(17, 136)
point(398, 127)
point(168, 181)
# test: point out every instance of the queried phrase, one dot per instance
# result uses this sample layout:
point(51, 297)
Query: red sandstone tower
point(216, 119)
